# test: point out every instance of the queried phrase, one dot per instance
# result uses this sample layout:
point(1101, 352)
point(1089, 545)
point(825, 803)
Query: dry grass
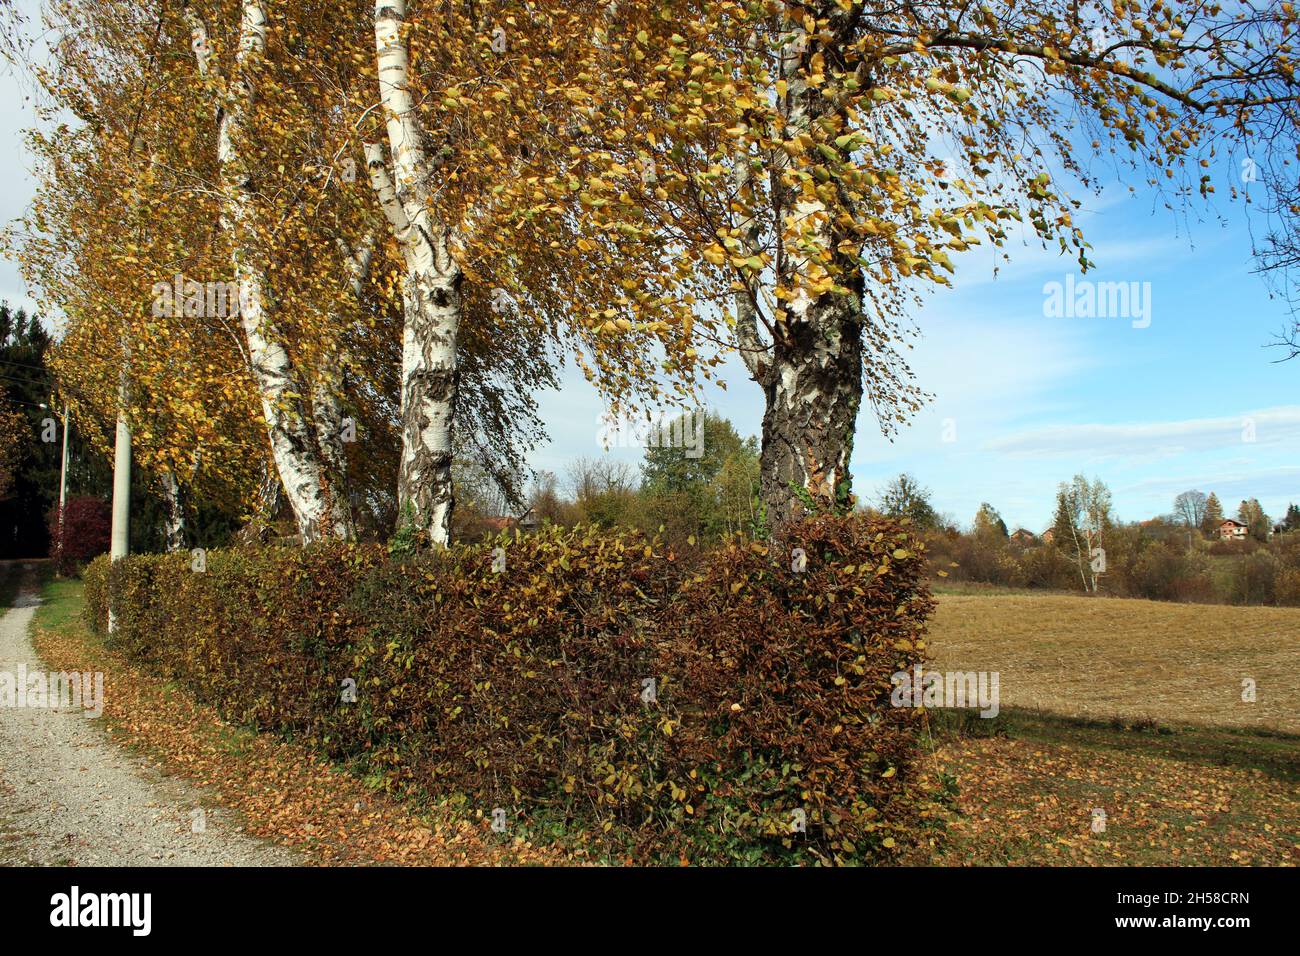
point(1106, 657)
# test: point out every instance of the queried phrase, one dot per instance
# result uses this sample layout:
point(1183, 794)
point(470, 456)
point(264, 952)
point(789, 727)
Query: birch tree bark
point(174, 513)
point(432, 299)
point(295, 459)
point(812, 393)
point(331, 428)
point(812, 374)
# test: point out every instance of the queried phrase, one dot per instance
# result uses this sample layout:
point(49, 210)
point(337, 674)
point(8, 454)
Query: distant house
point(1233, 530)
point(1021, 536)
point(1048, 536)
point(528, 522)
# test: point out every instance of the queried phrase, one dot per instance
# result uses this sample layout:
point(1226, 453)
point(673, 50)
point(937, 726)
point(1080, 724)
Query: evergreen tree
point(25, 388)
point(1063, 529)
point(1292, 520)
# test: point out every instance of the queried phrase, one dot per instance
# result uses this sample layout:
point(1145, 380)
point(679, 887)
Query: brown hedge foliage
point(528, 688)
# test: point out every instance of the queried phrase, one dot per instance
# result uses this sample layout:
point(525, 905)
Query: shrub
point(1287, 588)
point(617, 507)
point(1254, 579)
point(529, 687)
point(1287, 548)
point(87, 523)
point(985, 558)
point(1046, 566)
point(95, 594)
point(1166, 572)
point(1224, 549)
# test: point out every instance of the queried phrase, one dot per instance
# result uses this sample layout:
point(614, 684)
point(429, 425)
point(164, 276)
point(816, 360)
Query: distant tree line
point(707, 497)
point(1176, 557)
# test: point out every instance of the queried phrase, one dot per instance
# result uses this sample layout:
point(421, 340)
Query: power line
point(14, 401)
point(17, 383)
point(39, 368)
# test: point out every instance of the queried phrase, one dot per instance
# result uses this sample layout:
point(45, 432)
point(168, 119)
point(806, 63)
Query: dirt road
point(69, 796)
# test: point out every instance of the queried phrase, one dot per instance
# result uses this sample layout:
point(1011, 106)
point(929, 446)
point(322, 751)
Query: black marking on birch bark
point(813, 394)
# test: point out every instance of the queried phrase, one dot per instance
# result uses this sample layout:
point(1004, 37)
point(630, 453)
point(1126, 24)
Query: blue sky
point(1194, 400)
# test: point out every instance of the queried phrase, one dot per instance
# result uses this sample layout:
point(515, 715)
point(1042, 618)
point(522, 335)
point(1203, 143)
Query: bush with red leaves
point(87, 523)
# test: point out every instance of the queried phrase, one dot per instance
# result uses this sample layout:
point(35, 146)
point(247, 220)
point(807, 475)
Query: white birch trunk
point(174, 512)
point(431, 292)
point(120, 531)
point(290, 438)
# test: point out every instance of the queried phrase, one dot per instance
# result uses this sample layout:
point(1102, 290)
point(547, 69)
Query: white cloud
point(1153, 440)
point(1282, 483)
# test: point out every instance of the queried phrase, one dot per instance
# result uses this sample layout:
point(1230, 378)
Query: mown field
point(1105, 657)
point(1130, 707)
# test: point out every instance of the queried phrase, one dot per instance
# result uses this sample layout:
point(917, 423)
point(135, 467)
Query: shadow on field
point(1274, 753)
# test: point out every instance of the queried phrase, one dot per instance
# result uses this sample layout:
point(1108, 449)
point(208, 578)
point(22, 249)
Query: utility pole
point(120, 541)
point(63, 478)
point(63, 473)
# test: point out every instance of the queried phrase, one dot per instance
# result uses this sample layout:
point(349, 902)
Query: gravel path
point(69, 796)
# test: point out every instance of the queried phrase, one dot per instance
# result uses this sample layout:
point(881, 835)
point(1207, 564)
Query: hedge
point(766, 735)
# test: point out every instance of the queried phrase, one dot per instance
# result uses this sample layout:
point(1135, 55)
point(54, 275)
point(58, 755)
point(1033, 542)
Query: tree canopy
point(320, 250)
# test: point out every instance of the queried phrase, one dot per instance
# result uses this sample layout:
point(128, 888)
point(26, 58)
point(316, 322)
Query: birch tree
point(202, 217)
point(316, 512)
point(431, 290)
point(1083, 518)
point(486, 184)
point(263, 187)
point(825, 163)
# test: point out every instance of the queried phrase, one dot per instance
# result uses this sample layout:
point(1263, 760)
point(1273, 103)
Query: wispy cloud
point(1152, 440)
point(1281, 482)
